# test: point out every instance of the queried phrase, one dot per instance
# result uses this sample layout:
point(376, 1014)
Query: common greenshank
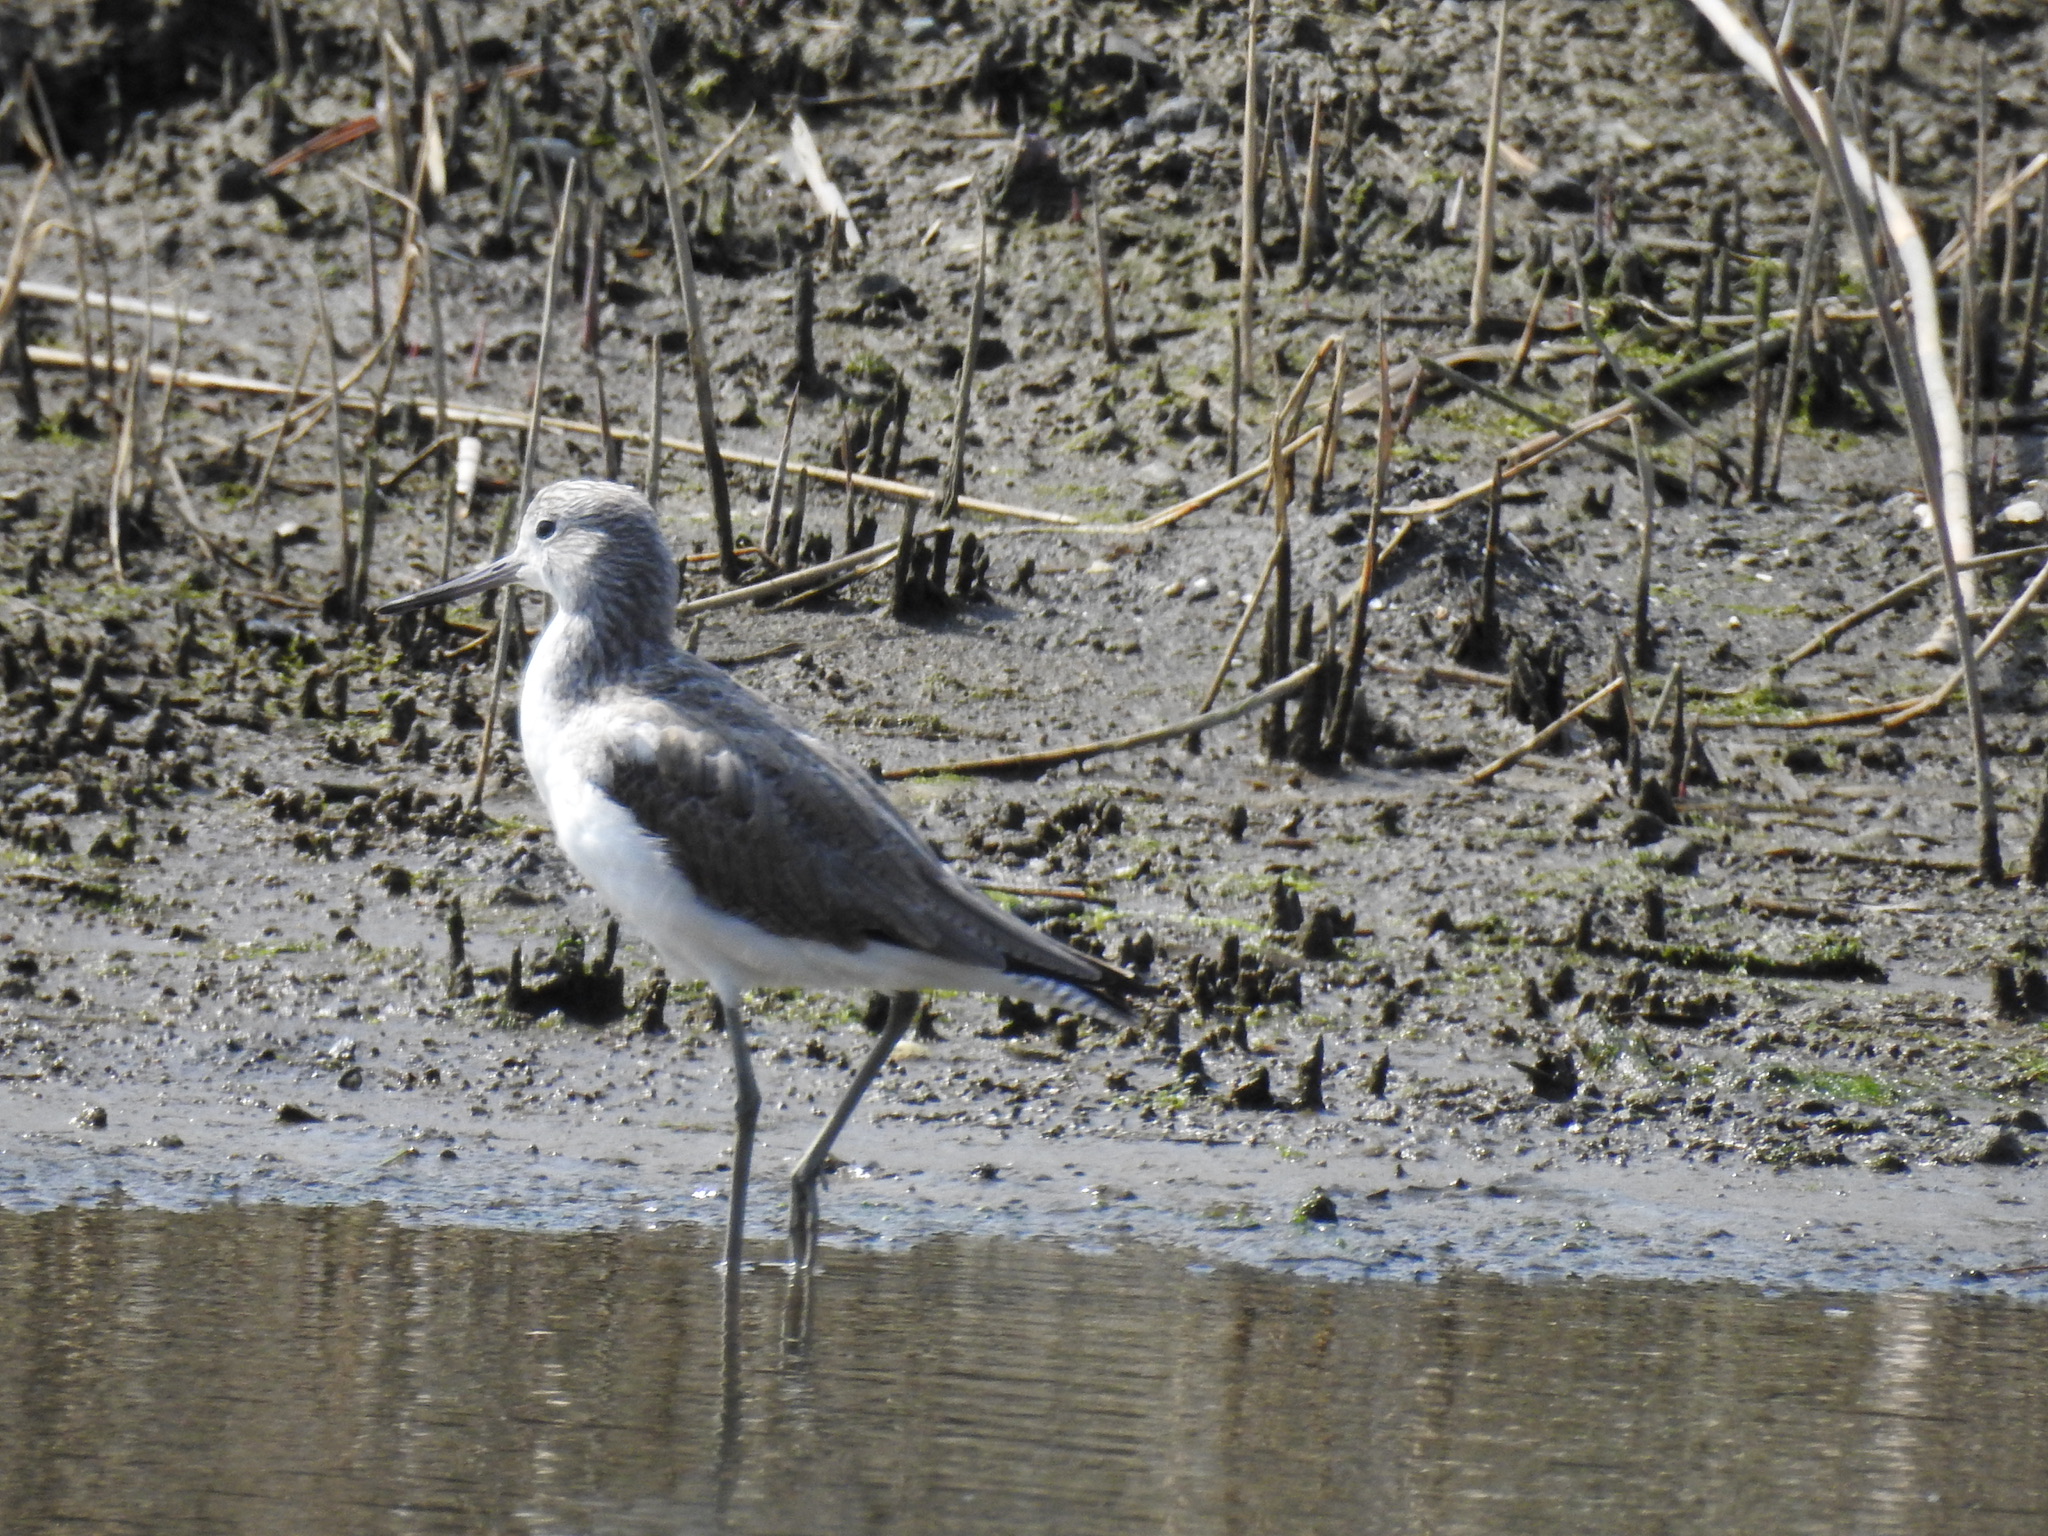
point(745, 850)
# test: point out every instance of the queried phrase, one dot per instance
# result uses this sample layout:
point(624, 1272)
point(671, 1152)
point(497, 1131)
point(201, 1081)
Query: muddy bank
point(257, 941)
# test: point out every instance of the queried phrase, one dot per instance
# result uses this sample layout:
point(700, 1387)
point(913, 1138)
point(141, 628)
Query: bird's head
point(591, 545)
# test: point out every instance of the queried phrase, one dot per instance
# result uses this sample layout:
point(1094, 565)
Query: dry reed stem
point(1898, 594)
point(652, 489)
point(1649, 399)
point(1489, 177)
point(1274, 693)
point(24, 243)
point(1802, 326)
point(1244, 623)
point(1104, 299)
point(2006, 192)
point(1548, 734)
point(1642, 642)
point(500, 416)
point(1528, 338)
point(948, 500)
point(770, 535)
point(831, 201)
point(1340, 735)
point(1248, 233)
point(693, 313)
point(710, 162)
point(540, 363)
point(509, 613)
point(1326, 450)
point(2004, 627)
point(1310, 247)
point(418, 255)
point(870, 559)
point(345, 552)
point(2023, 375)
point(1930, 403)
point(119, 303)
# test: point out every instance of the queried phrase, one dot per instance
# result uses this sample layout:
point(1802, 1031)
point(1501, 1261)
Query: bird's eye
point(544, 529)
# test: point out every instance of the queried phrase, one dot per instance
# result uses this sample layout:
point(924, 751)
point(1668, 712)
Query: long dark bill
point(485, 578)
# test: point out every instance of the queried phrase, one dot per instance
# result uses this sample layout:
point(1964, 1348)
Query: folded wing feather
point(789, 835)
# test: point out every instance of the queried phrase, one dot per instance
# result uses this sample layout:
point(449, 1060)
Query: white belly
point(632, 871)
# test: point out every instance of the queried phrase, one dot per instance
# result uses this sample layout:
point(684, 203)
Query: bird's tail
point(1103, 998)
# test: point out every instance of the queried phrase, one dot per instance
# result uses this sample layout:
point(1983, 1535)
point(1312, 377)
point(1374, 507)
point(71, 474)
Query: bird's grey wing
point(774, 827)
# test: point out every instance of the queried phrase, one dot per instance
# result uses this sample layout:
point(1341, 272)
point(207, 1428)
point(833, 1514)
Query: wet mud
point(1774, 1025)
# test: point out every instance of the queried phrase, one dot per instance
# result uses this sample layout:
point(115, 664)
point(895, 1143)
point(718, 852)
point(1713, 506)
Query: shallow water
point(273, 1369)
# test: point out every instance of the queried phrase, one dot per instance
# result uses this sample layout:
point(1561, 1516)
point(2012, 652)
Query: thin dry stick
point(770, 539)
point(1311, 246)
point(1248, 232)
point(1826, 638)
point(1361, 597)
point(1489, 175)
point(509, 614)
point(2007, 193)
point(310, 413)
point(1759, 378)
point(1802, 325)
point(119, 303)
point(124, 453)
point(508, 618)
point(24, 243)
point(346, 575)
point(1650, 400)
point(370, 264)
point(165, 401)
point(436, 336)
point(418, 256)
point(1286, 688)
point(1489, 565)
point(1528, 339)
point(1326, 451)
point(845, 579)
point(2023, 377)
point(1642, 641)
point(2011, 617)
point(654, 422)
point(1968, 365)
point(1244, 622)
point(956, 456)
point(123, 479)
point(517, 508)
point(1930, 407)
point(500, 416)
point(1280, 485)
point(862, 562)
point(40, 129)
point(1622, 456)
point(1548, 734)
point(1110, 350)
point(592, 332)
point(693, 315)
point(2001, 325)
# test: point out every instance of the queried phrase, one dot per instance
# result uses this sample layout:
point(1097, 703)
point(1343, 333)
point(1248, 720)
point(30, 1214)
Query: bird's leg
point(746, 1111)
point(803, 1183)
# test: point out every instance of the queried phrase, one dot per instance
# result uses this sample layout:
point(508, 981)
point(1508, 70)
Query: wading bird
point(745, 850)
